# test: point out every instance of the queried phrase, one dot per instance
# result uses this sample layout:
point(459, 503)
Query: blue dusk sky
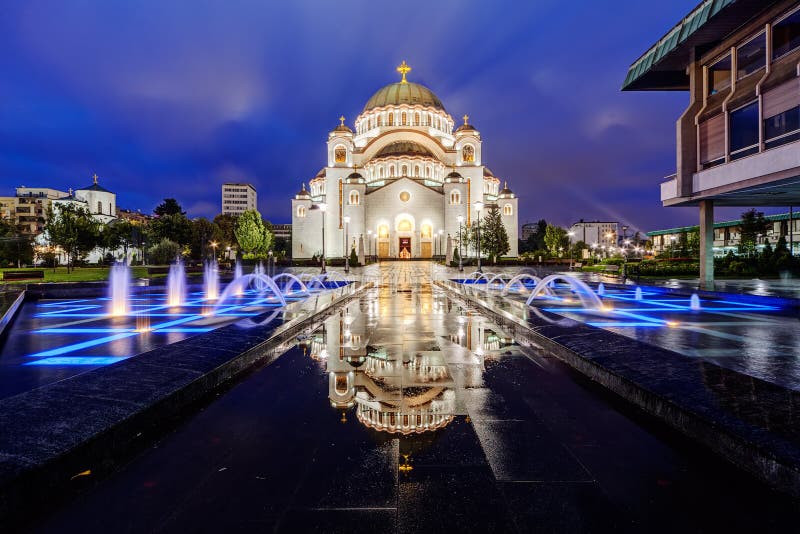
point(173, 98)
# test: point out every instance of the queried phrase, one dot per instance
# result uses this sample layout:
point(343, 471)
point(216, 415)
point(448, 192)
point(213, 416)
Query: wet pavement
point(406, 413)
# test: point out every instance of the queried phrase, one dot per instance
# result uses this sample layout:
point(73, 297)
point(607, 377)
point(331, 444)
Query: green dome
point(404, 93)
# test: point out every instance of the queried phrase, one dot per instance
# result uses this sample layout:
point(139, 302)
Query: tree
point(226, 223)
point(15, 248)
point(494, 238)
point(164, 252)
point(753, 225)
point(204, 232)
point(73, 229)
point(555, 239)
point(175, 227)
point(170, 206)
point(267, 240)
point(249, 232)
point(693, 242)
point(535, 240)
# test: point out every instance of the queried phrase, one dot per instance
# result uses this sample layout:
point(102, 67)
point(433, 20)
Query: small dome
point(506, 192)
point(303, 193)
point(408, 93)
point(403, 148)
point(466, 128)
point(453, 177)
point(342, 126)
point(354, 178)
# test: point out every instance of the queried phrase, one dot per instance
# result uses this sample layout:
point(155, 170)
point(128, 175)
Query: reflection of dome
point(404, 93)
point(403, 148)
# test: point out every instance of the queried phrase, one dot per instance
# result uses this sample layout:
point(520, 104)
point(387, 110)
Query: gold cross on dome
point(94, 177)
point(466, 118)
point(341, 120)
point(403, 69)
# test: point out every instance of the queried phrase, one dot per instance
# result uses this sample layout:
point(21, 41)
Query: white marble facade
point(403, 176)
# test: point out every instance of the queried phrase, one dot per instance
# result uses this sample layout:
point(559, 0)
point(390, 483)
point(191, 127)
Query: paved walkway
point(407, 413)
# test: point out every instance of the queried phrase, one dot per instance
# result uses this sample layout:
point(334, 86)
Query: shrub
point(164, 252)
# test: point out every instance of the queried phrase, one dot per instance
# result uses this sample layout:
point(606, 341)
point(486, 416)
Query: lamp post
point(571, 235)
point(441, 245)
point(214, 249)
point(346, 220)
point(369, 243)
point(460, 253)
point(479, 208)
point(270, 264)
point(322, 207)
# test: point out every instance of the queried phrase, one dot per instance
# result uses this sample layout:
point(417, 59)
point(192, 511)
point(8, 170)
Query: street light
point(322, 207)
point(346, 220)
point(479, 208)
point(460, 251)
point(571, 235)
point(214, 247)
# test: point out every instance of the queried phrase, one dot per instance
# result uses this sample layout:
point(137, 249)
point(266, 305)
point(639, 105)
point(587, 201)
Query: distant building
point(98, 200)
point(136, 217)
point(594, 232)
point(528, 229)
point(238, 198)
point(28, 209)
point(283, 231)
point(738, 140)
point(727, 235)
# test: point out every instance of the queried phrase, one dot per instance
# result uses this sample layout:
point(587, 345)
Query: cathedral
point(402, 182)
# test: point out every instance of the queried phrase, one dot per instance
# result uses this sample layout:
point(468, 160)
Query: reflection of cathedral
point(402, 179)
point(395, 392)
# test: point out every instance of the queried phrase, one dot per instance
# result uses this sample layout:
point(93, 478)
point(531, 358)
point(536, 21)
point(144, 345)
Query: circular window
point(404, 196)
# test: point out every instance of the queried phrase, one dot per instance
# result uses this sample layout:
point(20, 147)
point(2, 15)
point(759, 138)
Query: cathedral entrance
point(405, 248)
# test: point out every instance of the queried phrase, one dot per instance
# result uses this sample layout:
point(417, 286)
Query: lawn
point(79, 274)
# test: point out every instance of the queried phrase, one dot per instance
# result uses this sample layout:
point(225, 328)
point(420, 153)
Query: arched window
point(404, 119)
point(380, 172)
point(404, 226)
point(391, 119)
point(355, 198)
point(508, 210)
point(380, 120)
point(99, 207)
point(468, 153)
point(383, 231)
point(301, 211)
point(455, 197)
point(416, 171)
point(404, 170)
point(340, 154)
point(427, 172)
point(426, 231)
point(416, 119)
point(391, 171)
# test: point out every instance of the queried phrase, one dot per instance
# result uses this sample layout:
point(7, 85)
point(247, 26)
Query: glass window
point(340, 154)
point(744, 131)
point(786, 35)
point(782, 128)
point(751, 56)
point(719, 75)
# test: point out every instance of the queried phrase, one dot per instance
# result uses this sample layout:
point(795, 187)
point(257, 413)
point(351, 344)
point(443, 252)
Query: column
point(707, 244)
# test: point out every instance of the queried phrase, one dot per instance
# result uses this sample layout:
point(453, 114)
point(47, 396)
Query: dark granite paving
point(529, 446)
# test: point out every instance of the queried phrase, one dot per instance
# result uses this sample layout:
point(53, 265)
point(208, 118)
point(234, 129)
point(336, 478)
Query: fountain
point(237, 273)
point(119, 282)
point(176, 284)
point(694, 302)
point(588, 298)
point(601, 290)
point(211, 281)
point(638, 294)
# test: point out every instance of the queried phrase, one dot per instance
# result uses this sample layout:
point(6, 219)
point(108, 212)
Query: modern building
point(238, 198)
point(594, 232)
point(401, 181)
point(284, 231)
point(738, 141)
point(27, 210)
point(727, 234)
point(528, 229)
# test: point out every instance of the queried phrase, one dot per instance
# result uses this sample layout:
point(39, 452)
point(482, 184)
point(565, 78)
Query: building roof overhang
point(663, 67)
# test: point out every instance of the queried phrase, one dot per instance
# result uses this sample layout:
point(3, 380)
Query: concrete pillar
point(707, 244)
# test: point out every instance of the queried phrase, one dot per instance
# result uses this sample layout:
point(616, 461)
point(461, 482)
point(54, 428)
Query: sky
point(171, 99)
